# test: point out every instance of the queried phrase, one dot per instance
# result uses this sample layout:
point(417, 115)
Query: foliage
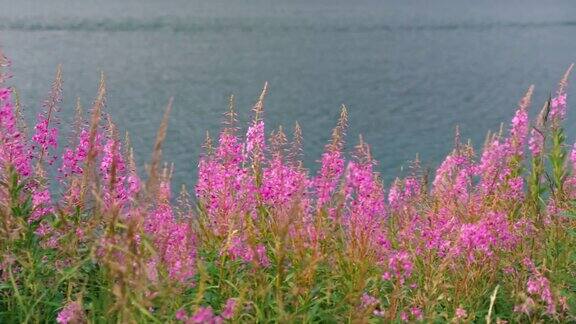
point(490, 238)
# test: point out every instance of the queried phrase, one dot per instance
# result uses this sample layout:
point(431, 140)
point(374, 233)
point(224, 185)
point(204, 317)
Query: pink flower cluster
point(13, 147)
point(46, 137)
point(113, 172)
point(538, 286)
point(486, 237)
point(174, 242)
point(72, 158)
point(332, 168)
point(206, 314)
point(70, 314)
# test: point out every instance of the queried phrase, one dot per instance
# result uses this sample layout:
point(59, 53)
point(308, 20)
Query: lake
point(409, 70)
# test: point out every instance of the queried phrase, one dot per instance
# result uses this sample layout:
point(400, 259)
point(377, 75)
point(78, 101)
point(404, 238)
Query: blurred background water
point(409, 70)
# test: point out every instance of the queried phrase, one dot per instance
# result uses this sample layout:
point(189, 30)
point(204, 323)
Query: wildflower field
point(85, 237)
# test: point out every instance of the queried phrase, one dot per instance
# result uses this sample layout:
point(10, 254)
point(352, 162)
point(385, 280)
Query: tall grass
point(489, 237)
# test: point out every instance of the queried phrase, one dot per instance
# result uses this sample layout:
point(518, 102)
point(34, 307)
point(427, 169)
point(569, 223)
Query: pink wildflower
point(520, 125)
point(536, 142)
point(113, 172)
point(454, 177)
point(175, 242)
point(13, 148)
point(225, 187)
point(262, 257)
point(255, 141)
point(482, 239)
point(417, 313)
point(395, 194)
point(526, 307)
point(493, 167)
point(72, 159)
point(329, 177)
point(229, 308)
point(519, 129)
point(400, 266)
point(558, 108)
point(379, 312)
point(401, 192)
point(71, 313)
point(181, 315)
point(202, 315)
point(283, 185)
point(368, 301)
point(43, 229)
point(5, 94)
point(461, 313)
point(41, 203)
point(46, 134)
point(386, 276)
point(46, 137)
point(404, 316)
point(573, 157)
point(538, 285)
point(516, 189)
point(366, 203)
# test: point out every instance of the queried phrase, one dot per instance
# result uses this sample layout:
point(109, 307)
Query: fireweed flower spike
point(174, 241)
point(14, 150)
point(284, 185)
point(79, 160)
point(71, 313)
point(113, 173)
point(366, 199)
point(454, 176)
point(558, 104)
point(225, 188)
point(255, 136)
point(520, 124)
point(332, 163)
point(46, 132)
point(77, 146)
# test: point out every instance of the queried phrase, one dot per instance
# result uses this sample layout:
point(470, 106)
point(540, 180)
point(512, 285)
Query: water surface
point(409, 70)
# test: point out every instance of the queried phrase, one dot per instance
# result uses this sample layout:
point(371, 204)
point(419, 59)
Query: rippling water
point(409, 70)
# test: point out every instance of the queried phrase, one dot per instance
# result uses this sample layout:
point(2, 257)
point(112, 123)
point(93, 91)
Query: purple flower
point(558, 109)
point(181, 315)
point(536, 142)
point(368, 301)
point(13, 148)
point(202, 315)
point(5, 94)
point(330, 173)
point(255, 141)
point(229, 308)
point(461, 313)
point(417, 313)
point(42, 204)
point(400, 266)
point(71, 313)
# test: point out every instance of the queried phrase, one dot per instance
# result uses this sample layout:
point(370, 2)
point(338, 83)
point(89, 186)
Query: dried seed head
point(278, 142)
point(564, 81)
point(258, 108)
point(153, 176)
point(295, 153)
point(208, 146)
point(339, 132)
